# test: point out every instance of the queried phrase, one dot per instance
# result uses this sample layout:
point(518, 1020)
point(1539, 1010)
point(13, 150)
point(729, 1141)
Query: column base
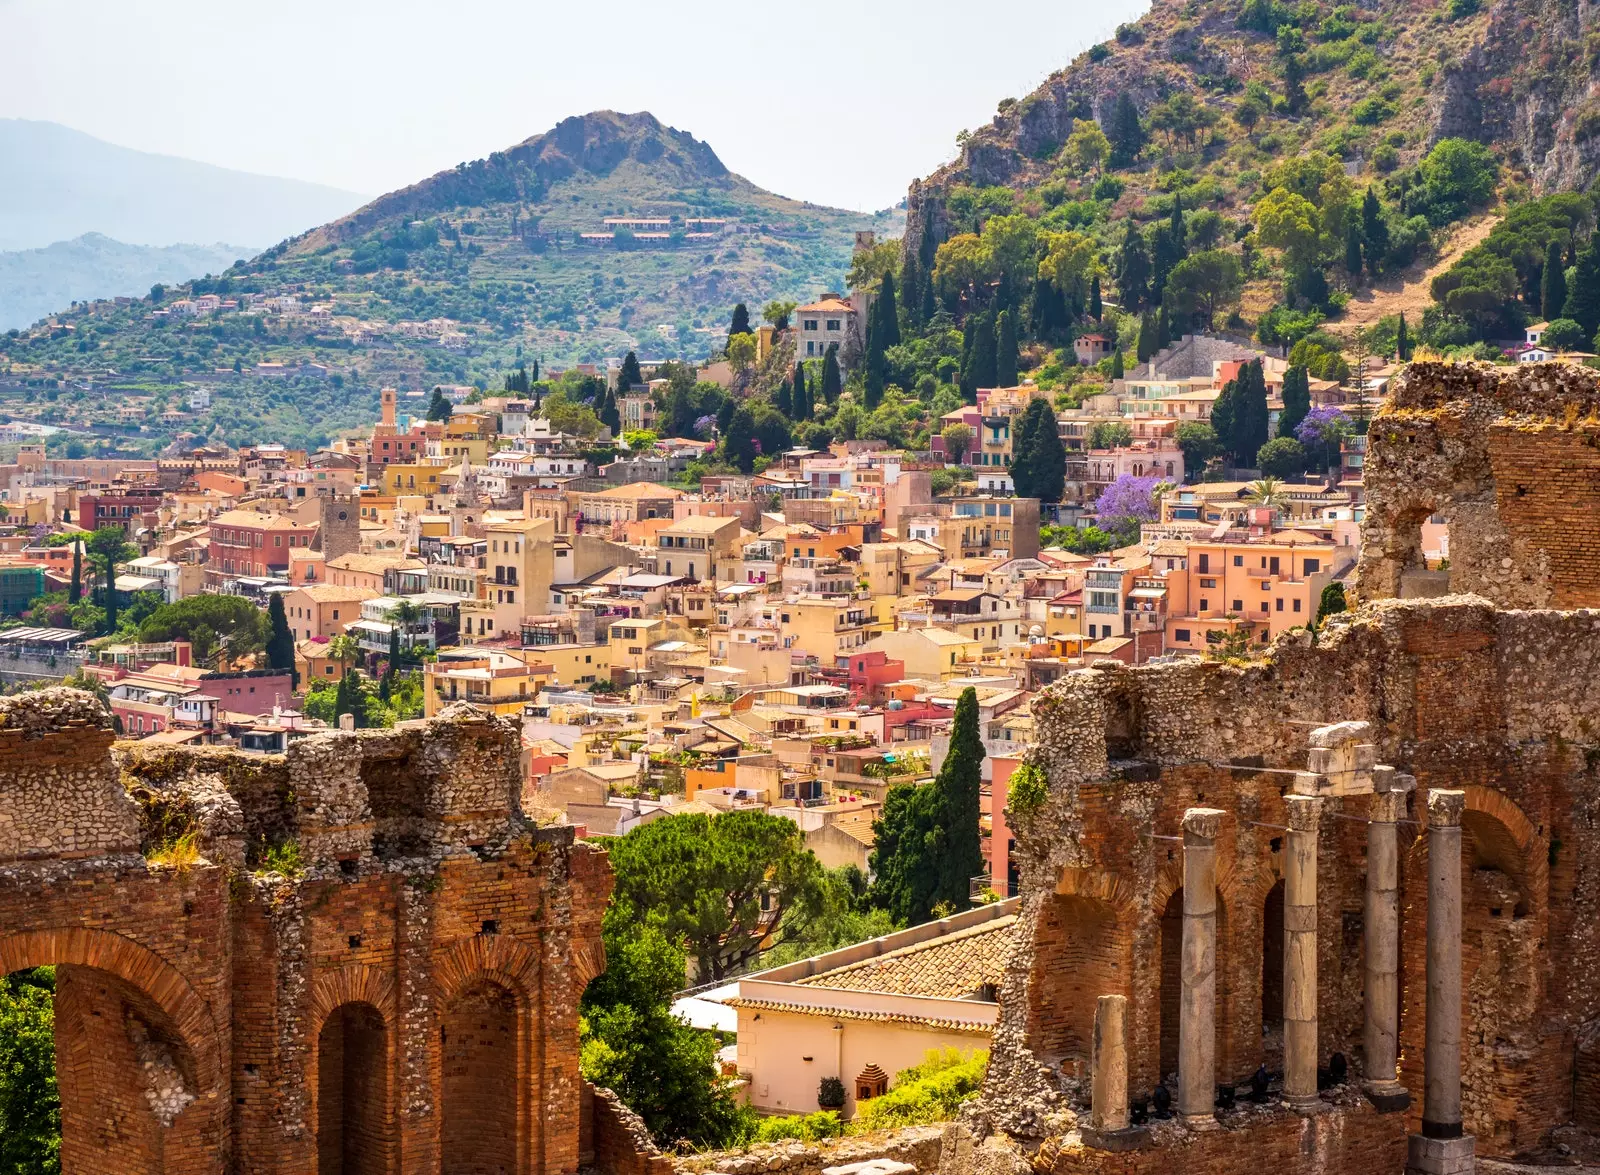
point(1129, 1138)
point(1200, 1121)
point(1440, 1156)
point(1387, 1097)
point(1305, 1104)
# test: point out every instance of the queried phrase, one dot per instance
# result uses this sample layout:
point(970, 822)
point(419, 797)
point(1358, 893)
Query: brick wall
point(414, 1008)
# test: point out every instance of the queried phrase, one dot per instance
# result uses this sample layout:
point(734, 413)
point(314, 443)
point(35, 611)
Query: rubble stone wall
point(1511, 460)
point(230, 930)
point(1505, 704)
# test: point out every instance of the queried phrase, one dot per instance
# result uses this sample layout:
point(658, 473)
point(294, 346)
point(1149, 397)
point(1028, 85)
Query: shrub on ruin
point(802, 1127)
point(1027, 792)
point(930, 1092)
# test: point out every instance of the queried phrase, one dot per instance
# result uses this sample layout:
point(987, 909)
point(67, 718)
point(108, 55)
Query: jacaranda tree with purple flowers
point(1323, 430)
point(1127, 502)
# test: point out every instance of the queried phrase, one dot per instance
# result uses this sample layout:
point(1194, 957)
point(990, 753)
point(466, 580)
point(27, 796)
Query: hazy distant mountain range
point(57, 183)
point(35, 283)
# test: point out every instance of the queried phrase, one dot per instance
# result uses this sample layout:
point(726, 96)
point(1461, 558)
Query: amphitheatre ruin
point(1274, 862)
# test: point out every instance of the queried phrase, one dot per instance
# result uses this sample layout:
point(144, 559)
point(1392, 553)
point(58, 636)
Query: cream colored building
point(872, 1009)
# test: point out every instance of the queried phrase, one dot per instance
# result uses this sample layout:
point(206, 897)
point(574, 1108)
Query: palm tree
point(1267, 491)
point(344, 649)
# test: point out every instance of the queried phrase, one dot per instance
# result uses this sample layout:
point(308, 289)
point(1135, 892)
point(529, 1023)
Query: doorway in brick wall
point(354, 1125)
point(478, 1043)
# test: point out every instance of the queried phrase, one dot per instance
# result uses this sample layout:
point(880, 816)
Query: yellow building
point(826, 627)
point(575, 665)
point(491, 680)
point(412, 478)
point(931, 654)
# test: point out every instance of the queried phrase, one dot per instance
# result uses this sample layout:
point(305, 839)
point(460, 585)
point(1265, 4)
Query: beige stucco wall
point(773, 1051)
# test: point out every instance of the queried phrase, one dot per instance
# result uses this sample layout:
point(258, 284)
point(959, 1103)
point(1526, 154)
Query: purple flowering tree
point(1323, 429)
point(704, 426)
point(1127, 502)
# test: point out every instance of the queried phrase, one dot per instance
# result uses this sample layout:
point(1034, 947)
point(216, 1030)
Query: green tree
point(1552, 283)
point(1087, 147)
point(204, 620)
point(280, 643)
point(1038, 458)
point(1109, 434)
point(1251, 419)
point(1204, 283)
point(1126, 134)
point(1374, 232)
point(1281, 457)
point(957, 442)
point(739, 441)
point(783, 399)
point(439, 408)
point(1096, 307)
point(982, 360)
point(1144, 344)
point(1455, 177)
point(30, 1106)
point(107, 547)
point(1296, 400)
point(1352, 251)
point(75, 586)
point(631, 375)
point(1133, 269)
point(1224, 414)
point(1198, 440)
point(349, 699)
point(1330, 602)
point(633, 1044)
point(726, 886)
point(1583, 295)
point(1402, 340)
point(740, 324)
point(1005, 350)
point(832, 381)
point(1563, 335)
point(928, 844)
point(776, 314)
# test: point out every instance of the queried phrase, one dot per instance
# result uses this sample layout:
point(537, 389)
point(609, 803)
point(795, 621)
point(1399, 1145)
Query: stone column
point(1300, 953)
point(1108, 1115)
point(1442, 1148)
point(1381, 1050)
point(1197, 1010)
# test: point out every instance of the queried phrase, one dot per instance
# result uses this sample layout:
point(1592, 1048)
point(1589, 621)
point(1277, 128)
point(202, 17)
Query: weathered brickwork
point(1502, 704)
point(373, 967)
point(1511, 460)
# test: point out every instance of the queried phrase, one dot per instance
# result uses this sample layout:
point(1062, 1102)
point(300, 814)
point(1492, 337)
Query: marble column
point(1109, 1127)
point(1381, 1049)
point(1197, 1009)
point(1300, 953)
point(1442, 1148)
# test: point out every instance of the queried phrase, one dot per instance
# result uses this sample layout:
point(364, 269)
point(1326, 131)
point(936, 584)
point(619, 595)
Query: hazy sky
point(843, 108)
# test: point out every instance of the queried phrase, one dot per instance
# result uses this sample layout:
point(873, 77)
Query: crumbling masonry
point(1307, 790)
point(373, 965)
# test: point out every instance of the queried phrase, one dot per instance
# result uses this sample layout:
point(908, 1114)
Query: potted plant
point(830, 1094)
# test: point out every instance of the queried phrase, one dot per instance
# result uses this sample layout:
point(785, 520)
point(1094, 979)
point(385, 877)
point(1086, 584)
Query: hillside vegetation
point(457, 279)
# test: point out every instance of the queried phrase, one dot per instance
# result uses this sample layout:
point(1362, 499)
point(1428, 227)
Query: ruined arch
point(137, 1054)
point(1170, 954)
point(1083, 949)
point(355, 1118)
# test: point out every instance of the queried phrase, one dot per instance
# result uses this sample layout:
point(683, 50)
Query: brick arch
point(1102, 885)
point(1513, 833)
point(354, 984)
point(135, 965)
point(495, 957)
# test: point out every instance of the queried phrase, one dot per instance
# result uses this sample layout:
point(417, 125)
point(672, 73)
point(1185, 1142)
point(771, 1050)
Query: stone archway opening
point(353, 1119)
point(478, 1038)
point(1079, 956)
point(1272, 978)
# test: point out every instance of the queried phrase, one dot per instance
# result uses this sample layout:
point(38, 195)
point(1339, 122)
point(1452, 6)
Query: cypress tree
point(1402, 340)
point(1163, 328)
point(1126, 132)
point(75, 588)
point(1133, 270)
point(1294, 91)
point(1374, 232)
point(1039, 460)
point(1175, 228)
point(929, 306)
point(911, 289)
point(1223, 412)
point(1553, 283)
point(630, 375)
point(1296, 400)
point(347, 699)
point(968, 333)
point(280, 644)
point(782, 401)
point(1005, 342)
point(739, 443)
point(889, 316)
point(982, 362)
point(609, 414)
point(1096, 307)
point(1165, 253)
point(802, 393)
point(111, 595)
point(1251, 419)
point(741, 321)
point(392, 669)
point(1145, 344)
point(1583, 296)
point(1352, 251)
point(958, 785)
point(832, 382)
point(1117, 369)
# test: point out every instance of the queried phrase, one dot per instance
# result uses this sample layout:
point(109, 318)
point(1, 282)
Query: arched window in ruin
point(871, 1082)
point(478, 1045)
point(353, 1121)
point(1081, 953)
point(1272, 977)
point(1172, 985)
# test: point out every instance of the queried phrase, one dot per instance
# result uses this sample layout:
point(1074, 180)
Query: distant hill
point(460, 277)
point(60, 183)
point(36, 282)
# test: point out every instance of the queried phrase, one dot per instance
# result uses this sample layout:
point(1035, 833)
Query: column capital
point(1386, 779)
point(1305, 812)
point(1445, 807)
point(1205, 823)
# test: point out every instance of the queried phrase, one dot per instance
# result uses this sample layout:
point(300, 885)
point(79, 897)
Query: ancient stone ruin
point(1277, 862)
point(356, 957)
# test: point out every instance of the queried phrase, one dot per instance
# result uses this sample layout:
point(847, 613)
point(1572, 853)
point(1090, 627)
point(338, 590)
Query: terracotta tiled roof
point(951, 966)
point(943, 1023)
